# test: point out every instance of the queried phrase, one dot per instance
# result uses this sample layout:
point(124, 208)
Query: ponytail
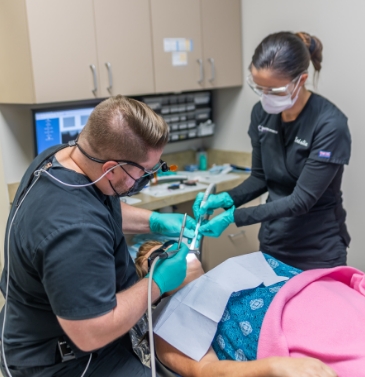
point(315, 48)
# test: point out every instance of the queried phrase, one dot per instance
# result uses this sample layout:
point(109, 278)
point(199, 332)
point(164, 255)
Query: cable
point(150, 324)
point(87, 365)
point(37, 174)
point(8, 278)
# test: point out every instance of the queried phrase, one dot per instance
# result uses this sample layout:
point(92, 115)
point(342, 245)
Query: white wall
point(340, 26)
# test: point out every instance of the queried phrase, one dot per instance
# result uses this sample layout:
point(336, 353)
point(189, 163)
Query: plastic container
point(202, 159)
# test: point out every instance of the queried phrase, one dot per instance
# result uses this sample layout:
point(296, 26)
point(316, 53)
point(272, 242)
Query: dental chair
point(163, 371)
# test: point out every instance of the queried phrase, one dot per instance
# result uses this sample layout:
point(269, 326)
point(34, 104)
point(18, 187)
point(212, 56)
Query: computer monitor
point(58, 125)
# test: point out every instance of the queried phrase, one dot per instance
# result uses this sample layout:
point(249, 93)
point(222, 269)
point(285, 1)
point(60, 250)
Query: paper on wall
point(179, 58)
point(177, 44)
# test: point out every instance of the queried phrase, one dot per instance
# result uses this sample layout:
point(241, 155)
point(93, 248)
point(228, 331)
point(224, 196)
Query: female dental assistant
point(300, 144)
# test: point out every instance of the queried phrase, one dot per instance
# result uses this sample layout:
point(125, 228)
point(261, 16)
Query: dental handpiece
point(211, 189)
point(195, 238)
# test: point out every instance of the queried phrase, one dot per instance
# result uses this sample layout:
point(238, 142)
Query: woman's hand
point(300, 367)
point(222, 200)
point(215, 226)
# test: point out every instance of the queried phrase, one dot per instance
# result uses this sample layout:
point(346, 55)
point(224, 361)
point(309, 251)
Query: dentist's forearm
point(135, 220)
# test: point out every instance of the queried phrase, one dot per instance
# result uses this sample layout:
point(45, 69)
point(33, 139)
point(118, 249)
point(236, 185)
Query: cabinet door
point(233, 241)
point(62, 43)
point(123, 34)
point(176, 23)
point(222, 42)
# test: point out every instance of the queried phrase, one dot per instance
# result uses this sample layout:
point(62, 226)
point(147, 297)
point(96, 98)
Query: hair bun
point(312, 45)
point(315, 48)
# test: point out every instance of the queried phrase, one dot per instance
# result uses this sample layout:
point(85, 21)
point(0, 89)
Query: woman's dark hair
point(288, 54)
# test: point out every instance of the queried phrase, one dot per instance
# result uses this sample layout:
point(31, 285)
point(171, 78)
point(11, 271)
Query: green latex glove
point(170, 224)
point(170, 273)
point(222, 200)
point(215, 226)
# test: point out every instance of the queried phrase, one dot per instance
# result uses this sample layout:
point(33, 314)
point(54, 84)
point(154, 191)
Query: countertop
point(153, 203)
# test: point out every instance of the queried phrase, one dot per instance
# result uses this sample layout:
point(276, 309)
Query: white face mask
point(274, 104)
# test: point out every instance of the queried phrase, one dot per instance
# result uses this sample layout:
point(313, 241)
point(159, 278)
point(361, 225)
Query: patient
point(239, 333)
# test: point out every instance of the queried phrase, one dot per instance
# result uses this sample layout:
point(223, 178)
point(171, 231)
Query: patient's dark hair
point(288, 54)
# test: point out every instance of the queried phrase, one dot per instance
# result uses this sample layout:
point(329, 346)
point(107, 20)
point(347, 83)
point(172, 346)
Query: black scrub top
point(68, 258)
point(300, 164)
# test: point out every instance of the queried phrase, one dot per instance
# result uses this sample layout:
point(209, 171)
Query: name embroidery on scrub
point(266, 129)
point(324, 154)
point(300, 141)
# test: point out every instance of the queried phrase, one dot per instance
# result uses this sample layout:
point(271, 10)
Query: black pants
point(114, 361)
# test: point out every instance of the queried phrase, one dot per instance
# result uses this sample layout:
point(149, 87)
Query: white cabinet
point(74, 50)
point(62, 47)
point(67, 50)
point(213, 59)
point(176, 69)
point(222, 43)
point(123, 39)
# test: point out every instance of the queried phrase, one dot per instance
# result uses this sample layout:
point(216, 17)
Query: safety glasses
point(146, 174)
point(281, 91)
point(161, 165)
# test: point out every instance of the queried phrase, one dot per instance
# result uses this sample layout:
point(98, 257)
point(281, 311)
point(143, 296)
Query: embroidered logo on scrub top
point(324, 154)
point(266, 129)
point(300, 141)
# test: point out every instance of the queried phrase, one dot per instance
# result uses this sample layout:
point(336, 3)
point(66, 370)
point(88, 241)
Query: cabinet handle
point(93, 70)
point(211, 61)
point(110, 77)
point(232, 236)
point(200, 62)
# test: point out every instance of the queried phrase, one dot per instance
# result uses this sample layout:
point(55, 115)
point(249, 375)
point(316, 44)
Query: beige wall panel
point(16, 84)
point(123, 34)
point(62, 39)
point(221, 25)
point(176, 19)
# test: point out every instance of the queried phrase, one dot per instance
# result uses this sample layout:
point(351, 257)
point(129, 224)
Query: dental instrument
point(194, 246)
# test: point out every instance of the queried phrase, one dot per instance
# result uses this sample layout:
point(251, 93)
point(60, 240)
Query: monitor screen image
point(54, 127)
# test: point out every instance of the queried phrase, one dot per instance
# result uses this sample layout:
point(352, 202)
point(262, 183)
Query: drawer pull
point(233, 236)
point(212, 78)
point(200, 62)
point(93, 70)
point(110, 77)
